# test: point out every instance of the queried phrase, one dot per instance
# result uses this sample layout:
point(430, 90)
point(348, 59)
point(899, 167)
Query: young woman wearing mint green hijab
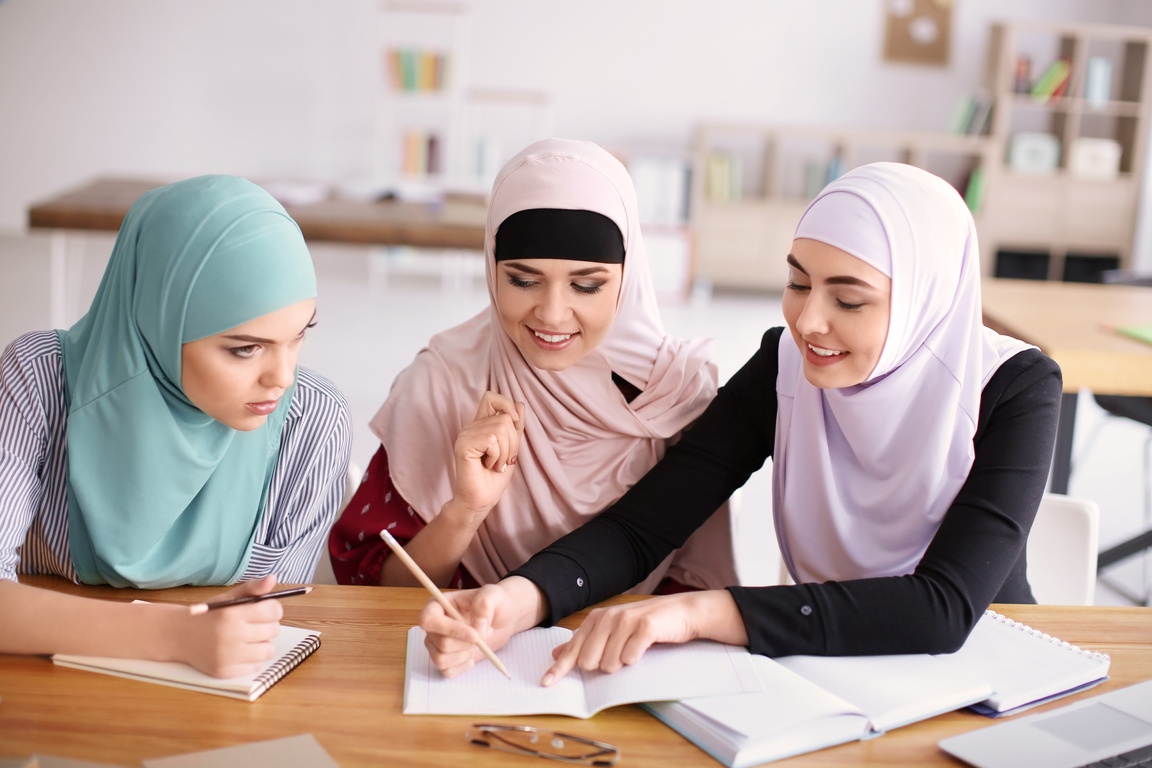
point(168, 437)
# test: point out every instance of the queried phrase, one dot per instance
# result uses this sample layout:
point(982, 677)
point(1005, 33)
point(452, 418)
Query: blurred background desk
point(349, 696)
point(100, 205)
point(1072, 323)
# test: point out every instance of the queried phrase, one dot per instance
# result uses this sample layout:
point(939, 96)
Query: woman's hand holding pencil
point(494, 613)
point(440, 599)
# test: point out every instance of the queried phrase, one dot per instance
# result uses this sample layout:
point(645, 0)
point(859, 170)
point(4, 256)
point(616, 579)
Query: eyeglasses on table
point(540, 742)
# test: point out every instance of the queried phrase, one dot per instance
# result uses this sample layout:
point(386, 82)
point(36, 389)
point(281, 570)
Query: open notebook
point(293, 645)
point(813, 702)
point(698, 668)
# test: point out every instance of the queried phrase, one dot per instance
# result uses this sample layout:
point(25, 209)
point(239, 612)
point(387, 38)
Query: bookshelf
point(752, 183)
point(1057, 179)
point(435, 130)
point(423, 50)
point(1078, 217)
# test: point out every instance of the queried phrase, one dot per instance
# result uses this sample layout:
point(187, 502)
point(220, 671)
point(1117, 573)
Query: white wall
point(284, 87)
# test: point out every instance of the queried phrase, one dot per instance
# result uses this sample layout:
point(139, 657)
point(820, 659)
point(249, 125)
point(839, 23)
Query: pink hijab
point(583, 445)
point(863, 475)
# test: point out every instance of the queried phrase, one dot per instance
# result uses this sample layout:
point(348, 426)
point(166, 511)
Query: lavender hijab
point(863, 475)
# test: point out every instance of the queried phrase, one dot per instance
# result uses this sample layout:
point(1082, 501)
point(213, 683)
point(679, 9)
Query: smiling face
point(556, 310)
point(837, 308)
point(238, 376)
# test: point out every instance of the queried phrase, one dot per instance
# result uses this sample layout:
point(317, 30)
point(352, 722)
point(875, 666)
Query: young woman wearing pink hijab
point(519, 425)
point(910, 446)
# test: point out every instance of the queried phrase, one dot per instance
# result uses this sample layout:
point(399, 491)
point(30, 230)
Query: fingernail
point(512, 461)
point(547, 681)
point(482, 627)
point(503, 467)
point(198, 609)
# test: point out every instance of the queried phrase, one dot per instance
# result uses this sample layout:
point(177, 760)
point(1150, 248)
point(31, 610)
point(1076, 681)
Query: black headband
point(558, 233)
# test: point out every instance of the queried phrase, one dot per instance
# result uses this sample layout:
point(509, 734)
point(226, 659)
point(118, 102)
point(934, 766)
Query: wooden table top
point(455, 223)
point(1072, 323)
point(349, 695)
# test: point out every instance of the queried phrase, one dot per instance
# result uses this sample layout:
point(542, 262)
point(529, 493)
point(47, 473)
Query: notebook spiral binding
point(1045, 636)
point(274, 673)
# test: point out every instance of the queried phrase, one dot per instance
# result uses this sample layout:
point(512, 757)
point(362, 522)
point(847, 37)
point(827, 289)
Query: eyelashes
point(798, 288)
point(248, 350)
point(519, 282)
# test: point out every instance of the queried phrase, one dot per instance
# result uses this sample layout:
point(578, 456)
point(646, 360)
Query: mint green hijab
point(159, 493)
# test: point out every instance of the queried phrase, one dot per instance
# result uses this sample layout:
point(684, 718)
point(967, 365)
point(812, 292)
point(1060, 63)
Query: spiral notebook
point(293, 645)
point(813, 702)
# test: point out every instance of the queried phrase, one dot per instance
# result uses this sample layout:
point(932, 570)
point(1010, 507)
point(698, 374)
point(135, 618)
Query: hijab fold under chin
point(862, 476)
point(159, 493)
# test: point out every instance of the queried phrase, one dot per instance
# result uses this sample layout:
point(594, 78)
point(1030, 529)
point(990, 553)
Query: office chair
point(1138, 409)
point(1062, 550)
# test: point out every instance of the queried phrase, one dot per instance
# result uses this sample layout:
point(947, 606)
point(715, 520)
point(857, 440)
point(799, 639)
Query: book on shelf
point(697, 668)
point(293, 645)
point(973, 189)
point(973, 114)
point(724, 178)
point(662, 184)
point(1052, 84)
point(813, 702)
point(413, 70)
point(421, 153)
point(1098, 81)
point(1022, 75)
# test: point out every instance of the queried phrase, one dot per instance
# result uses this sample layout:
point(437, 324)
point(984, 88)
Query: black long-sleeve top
point(976, 557)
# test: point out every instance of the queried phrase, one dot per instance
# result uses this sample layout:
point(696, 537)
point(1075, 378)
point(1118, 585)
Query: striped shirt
point(307, 483)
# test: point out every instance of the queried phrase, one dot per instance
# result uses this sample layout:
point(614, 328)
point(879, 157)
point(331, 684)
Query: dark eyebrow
point(587, 271)
point(836, 280)
point(258, 340)
point(574, 273)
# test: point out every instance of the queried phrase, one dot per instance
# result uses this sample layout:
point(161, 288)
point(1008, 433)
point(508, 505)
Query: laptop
point(1080, 734)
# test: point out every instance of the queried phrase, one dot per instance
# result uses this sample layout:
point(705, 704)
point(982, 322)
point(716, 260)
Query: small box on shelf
point(1034, 153)
point(1090, 158)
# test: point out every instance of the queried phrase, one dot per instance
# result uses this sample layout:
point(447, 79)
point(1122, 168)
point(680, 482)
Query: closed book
point(813, 702)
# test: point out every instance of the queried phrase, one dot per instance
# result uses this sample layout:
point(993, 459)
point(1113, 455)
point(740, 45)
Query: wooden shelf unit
point(1075, 225)
point(1071, 219)
point(741, 241)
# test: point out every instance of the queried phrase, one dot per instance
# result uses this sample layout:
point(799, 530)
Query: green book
point(1051, 81)
point(1139, 332)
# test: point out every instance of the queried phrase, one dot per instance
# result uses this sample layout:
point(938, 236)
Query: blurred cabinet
point(1081, 213)
point(1053, 179)
point(752, 183)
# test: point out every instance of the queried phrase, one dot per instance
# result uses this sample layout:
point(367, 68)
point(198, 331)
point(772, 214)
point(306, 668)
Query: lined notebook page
point(675, 671)
point(699, 668)
point(484, 690)
point(1023, 664)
